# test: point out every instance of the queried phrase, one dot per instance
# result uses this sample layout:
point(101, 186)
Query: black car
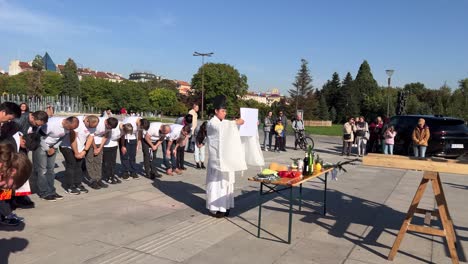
point(449, 136)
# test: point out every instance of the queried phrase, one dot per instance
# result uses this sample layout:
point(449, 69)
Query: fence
point(317, 123)
point(61, 104)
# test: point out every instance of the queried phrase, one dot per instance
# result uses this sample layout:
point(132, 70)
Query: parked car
point(449, 136)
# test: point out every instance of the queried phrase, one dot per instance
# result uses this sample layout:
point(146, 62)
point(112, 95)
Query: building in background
point(17, 67)
point(267, 98)
point(49, 64)
point(143, 77)
point(82, 72)
point(184, 87)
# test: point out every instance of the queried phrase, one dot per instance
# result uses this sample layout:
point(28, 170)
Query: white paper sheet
point(250, 116)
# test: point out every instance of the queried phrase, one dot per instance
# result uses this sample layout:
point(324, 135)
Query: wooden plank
point(411, 163)
point(425, 211)
point(426, 230)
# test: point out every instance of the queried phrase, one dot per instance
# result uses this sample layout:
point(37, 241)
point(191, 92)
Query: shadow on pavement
point(12, 245)
point(346, 210)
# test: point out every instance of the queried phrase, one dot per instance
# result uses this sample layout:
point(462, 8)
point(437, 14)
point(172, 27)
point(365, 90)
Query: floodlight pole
point(203, 55)
point(389, 74)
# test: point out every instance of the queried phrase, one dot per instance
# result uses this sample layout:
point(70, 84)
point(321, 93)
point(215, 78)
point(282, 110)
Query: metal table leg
point(290, 214)
point(325, 195)
point(260, 201)
point(300, 197)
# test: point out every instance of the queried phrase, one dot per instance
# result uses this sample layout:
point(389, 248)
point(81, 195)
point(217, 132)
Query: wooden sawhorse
point(431, 168)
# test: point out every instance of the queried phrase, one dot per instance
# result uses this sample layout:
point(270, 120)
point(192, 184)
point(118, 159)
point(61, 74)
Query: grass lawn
point(334, 130)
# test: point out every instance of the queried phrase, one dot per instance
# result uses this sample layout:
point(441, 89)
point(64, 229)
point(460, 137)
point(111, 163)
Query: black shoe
point(183, 168)
point(72, 190)
point(126, 176)
point(203, 166)
point(218, 214)
point(135, 176)
point(50, 198)
point(24, 202)
point(226, 214)
point(9, 221)
point(58, 196)
point(198, 166)
point(116, 180)
point(82, 189)
point(94, 185)
point(102, 185)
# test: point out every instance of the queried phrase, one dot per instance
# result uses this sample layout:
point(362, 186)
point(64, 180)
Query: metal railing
point(61, 104)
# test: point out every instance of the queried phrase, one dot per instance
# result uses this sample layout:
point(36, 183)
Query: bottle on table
point(306, 168)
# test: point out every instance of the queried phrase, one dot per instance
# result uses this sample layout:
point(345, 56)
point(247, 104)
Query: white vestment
point(226, 155)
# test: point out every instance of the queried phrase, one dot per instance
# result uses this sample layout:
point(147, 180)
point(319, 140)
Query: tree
point(219, 79)
point(347, 102)
point(323, 109)
point(52, 83)
point(38, 63)
point(333, 113)
point(365, 84)
point(71, 83)
point(163, 100)
point(303, 85)
point(332, 90)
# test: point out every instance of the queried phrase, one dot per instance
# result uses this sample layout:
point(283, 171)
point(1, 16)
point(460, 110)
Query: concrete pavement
point(141, 221)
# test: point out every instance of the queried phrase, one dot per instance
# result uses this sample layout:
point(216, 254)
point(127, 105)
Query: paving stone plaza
point(165, 221)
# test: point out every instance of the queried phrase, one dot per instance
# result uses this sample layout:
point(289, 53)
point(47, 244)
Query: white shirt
point(131, 120)
point(54, 131)
point(153, 131)
point(175, 132)
point(113, 141)
point(82, 133)
point(100, 130)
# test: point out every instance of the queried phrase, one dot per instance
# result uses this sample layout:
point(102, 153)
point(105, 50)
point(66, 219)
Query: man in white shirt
point(170, 147)
point(129, 145)
point(78, 142)
point(94, 154)
point(153, 137)
point(44, 156)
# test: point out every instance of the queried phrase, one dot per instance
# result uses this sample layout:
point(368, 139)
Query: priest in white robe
point(226, 156)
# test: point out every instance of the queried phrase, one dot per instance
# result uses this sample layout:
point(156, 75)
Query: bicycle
point(304, 141)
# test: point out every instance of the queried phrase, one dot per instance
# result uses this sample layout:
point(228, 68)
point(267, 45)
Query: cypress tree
point(71, 83)
point(365, 84)
point(303, 85)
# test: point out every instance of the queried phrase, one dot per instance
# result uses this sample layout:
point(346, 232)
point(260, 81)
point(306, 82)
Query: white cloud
point(18, 19)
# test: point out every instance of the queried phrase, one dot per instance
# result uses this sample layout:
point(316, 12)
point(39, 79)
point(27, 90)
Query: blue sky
point(424, 41)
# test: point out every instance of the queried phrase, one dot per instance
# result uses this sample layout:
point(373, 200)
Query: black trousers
point(279, 143)
point(73, 168)
point(109, 160)
point(149, 158)
point(180, 159)
point(129, 159)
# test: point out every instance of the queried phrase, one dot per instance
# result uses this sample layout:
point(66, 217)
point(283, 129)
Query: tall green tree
point(323, 113)
point(365, 84)
point(71, 83)
point(332, 90)
point(35, 87)
point(303, 86)
point(348, 100)
point(219, 78)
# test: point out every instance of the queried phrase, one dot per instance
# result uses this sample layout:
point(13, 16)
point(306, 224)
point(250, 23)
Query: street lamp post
point(389, 74)
point(203, 55)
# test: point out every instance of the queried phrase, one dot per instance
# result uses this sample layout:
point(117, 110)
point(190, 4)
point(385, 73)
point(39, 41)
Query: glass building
point(49, 64)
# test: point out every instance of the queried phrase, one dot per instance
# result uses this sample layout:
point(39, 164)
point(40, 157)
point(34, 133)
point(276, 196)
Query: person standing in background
point(348, 136)
point(389, 140)
point(267, 124)
point(23, 120)
point(420, 136)
point(361, 129)
point(298, 127)
point(200, 141)
point(282, 118)
point(194, 113)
